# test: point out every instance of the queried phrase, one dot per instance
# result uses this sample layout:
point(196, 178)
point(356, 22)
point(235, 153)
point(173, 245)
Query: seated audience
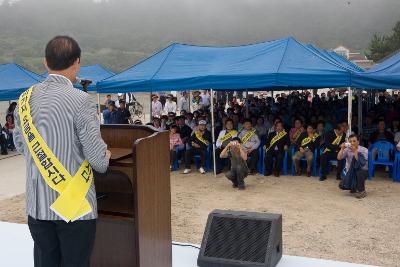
point(190, 120)
point(331, 146)
point(306, 144)
point(368, 129)
point(224, 138)
point(175, 142)
point(277, 143)
point(157, 124)
point(184, 130)
point(199, 142)
point(170, 120)
point(261, 130)
point(250, 143)
point(381, 134)
point(238, 166)
point(296, 131)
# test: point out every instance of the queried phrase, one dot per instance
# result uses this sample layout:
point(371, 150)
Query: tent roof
point(382, 76)
point(14, 79)
point(281, 63)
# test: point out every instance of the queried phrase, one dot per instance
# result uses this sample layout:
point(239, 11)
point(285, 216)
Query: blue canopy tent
point(385, 75)
point(15, 79)
point(95, 73)
point(283, 63)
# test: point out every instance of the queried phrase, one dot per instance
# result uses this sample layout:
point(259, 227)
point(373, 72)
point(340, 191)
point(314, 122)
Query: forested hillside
point(119, 33)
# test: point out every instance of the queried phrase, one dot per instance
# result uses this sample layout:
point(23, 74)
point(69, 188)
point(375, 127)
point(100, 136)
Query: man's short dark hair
point(237, 139)
point(354, 136)
point(61, 52)
point(228, 120)
point(247, 120)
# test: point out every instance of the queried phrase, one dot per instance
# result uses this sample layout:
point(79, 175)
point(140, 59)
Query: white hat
point(202, 122)
point(119, 94)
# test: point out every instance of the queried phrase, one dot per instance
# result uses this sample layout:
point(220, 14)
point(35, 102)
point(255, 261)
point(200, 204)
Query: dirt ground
point(319, 220)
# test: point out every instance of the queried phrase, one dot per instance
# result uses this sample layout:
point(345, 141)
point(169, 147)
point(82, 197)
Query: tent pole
point(360, 111)
point(212, 132)
point(247, 103)
point(190, 101)
point(349, 109)
point(151, 106)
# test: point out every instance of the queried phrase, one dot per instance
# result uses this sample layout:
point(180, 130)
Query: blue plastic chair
point(303, 159)
point(260, 159)
point(285, 159)
point(385, 156)
point(396, 168)
point(330, 163)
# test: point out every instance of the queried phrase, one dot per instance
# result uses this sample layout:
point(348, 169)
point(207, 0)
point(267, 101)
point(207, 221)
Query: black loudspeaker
point(245, 239)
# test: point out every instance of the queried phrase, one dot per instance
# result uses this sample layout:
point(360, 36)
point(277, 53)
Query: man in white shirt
point(183, 102)
point(156, 107)
point(120, 97)
point(205, 99)
point(170, 105)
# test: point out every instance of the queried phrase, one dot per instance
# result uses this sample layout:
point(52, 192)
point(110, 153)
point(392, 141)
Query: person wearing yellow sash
point(199, 142)
point(250, 143)
point(277, 142)
point(305, 146)
point(58, 132)
point(296, 131)
point(224, 138)
point(331, 146)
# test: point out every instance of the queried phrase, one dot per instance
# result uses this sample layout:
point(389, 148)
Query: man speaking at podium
point(58, 132)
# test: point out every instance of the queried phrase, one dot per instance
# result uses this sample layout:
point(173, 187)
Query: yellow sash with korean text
point(248, 136)
point(306, 141)
point(200, 138)
point(276, 138)
point(71, 203)
point(335, 142)
point(228, 135)
point(297, 134)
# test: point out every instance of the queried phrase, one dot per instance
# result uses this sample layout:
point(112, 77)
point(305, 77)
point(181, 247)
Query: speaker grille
point(239, 239)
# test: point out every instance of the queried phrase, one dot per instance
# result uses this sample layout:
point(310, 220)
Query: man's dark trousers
point(195, 151)
point(324, 160)
point(270, 165)
point(61, 244)
point(361, 177)
point(252, 160)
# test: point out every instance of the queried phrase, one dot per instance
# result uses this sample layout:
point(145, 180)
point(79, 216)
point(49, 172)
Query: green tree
point(382, 46)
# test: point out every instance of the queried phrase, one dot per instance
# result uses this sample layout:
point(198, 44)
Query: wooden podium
point(134, 200)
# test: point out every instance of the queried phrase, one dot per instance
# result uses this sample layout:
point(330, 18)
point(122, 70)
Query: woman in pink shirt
point(174, 141)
